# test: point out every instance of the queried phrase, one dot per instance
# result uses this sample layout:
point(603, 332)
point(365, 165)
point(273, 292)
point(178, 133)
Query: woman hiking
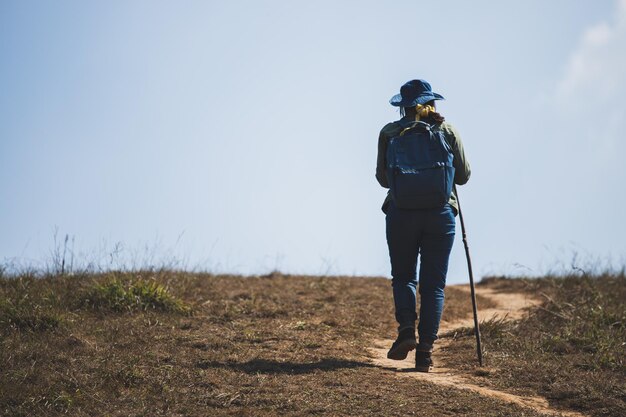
point(419, 222)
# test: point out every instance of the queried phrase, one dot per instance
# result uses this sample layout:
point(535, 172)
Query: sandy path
point(509, 305)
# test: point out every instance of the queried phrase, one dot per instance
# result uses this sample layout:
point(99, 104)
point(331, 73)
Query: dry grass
point(271, 345)
point(571, 350)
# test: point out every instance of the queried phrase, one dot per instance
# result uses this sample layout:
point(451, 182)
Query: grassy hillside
point(169, 343)
point(571, 349)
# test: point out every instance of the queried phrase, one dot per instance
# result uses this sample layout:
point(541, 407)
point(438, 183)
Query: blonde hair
point(424, 111)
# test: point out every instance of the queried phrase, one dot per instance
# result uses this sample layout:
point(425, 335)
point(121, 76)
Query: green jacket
point(461, 166)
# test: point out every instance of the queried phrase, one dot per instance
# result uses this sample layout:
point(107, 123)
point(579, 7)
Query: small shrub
point(135, 295)
point(496, 328)
point(23, 315)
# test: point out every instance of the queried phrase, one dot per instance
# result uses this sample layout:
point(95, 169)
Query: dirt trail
point(510, 305)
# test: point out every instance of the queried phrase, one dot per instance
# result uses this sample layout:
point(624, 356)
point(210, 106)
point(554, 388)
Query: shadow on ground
point(274, 367)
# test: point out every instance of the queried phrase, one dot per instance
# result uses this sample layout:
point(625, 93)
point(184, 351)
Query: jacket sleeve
point(462, 169)
point(381, 176)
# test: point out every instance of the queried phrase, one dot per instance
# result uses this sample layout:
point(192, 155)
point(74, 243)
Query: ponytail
point(425, 112)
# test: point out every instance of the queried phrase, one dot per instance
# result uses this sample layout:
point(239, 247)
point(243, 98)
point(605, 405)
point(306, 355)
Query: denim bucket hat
point(413, 93)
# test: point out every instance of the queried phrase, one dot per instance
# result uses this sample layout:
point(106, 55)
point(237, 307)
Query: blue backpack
point(419, 168)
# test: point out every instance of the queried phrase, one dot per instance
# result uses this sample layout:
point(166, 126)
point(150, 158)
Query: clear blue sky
point(240, 136)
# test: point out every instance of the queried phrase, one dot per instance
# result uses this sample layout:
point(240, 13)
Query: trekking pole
point(471, 280)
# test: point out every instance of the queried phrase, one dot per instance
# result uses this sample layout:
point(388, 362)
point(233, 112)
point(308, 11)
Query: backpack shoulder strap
point(416, 125)
point(443, 135)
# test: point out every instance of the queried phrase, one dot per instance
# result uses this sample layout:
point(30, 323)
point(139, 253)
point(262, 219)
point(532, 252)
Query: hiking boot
point(405, 343)
point(423, 358)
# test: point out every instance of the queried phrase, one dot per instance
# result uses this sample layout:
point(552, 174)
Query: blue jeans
point(429, 233)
